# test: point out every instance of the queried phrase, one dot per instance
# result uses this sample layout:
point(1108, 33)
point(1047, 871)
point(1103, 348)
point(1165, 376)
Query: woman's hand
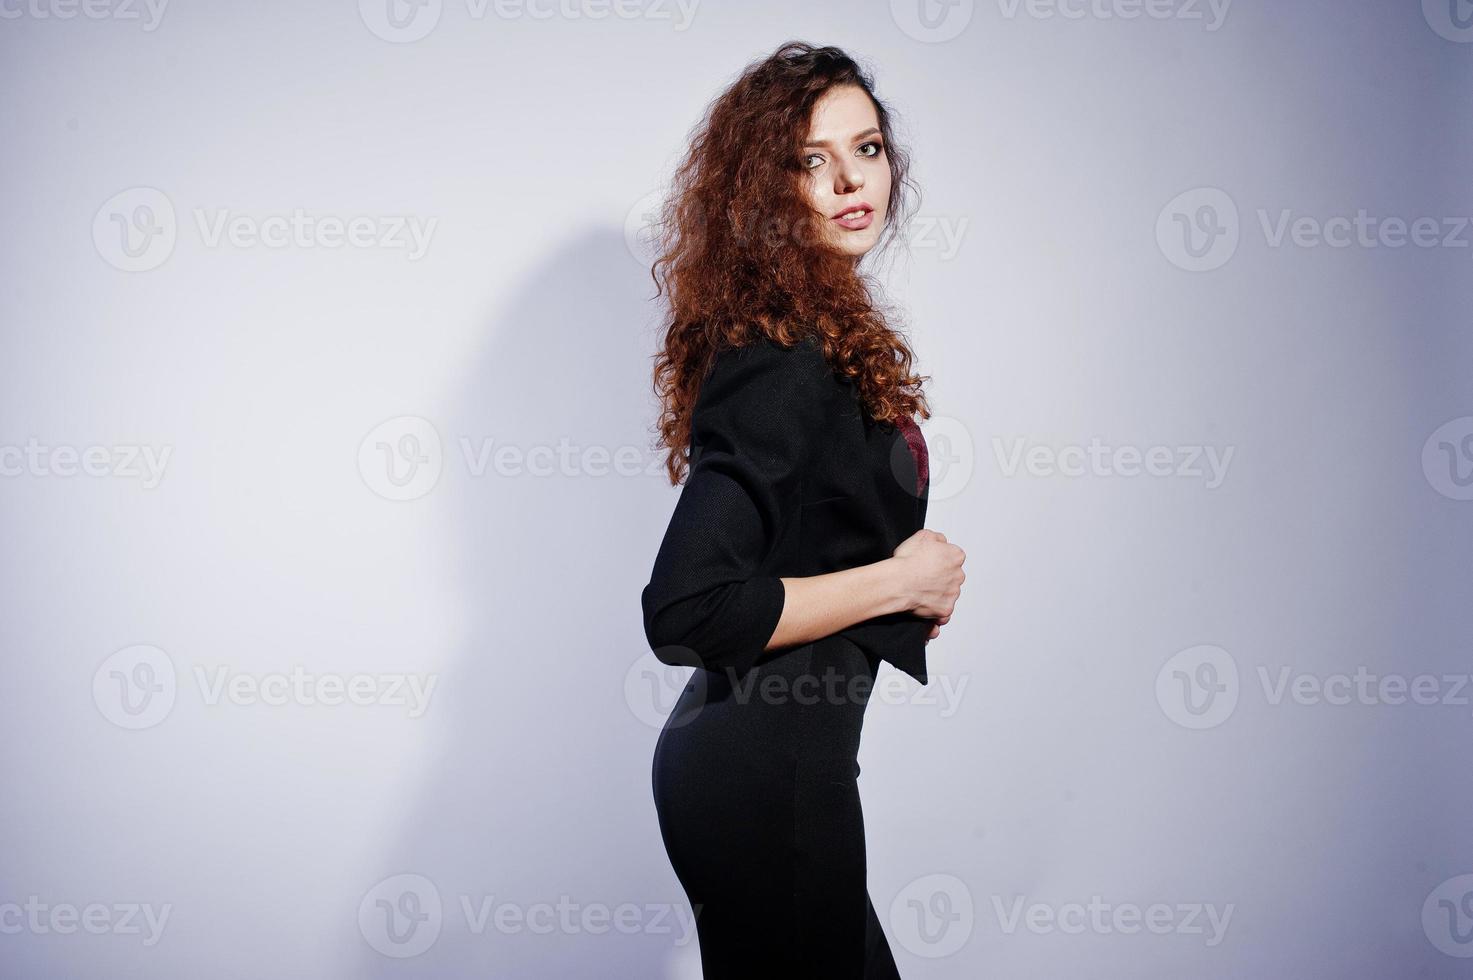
point(929, 570)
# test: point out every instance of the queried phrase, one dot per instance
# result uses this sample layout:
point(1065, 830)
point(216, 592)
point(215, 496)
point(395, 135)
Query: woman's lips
point(856, 219)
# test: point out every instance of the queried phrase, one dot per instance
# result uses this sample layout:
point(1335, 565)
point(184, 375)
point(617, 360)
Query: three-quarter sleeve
point(756, 418)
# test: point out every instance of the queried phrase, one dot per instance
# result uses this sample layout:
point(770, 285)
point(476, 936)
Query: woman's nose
point(848, 180)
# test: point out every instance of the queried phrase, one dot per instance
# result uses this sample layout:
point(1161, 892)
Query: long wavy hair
point(742, 253)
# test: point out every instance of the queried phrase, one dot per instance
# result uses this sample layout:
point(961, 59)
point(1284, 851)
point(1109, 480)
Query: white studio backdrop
point(329, 489)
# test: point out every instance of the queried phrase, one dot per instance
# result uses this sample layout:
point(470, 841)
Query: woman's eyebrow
point(872, 131)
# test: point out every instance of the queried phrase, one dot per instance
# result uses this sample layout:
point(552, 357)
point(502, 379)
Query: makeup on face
point(850, 183)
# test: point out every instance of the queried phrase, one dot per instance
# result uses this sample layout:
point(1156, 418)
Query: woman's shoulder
point(769, 374)
point(801, 359)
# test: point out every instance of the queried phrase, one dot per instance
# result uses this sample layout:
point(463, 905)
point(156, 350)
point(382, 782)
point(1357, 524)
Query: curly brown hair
point(742, 253)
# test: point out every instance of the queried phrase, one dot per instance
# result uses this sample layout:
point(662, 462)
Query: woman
point(795, 560)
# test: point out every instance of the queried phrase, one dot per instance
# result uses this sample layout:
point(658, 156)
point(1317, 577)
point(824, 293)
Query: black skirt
point(755, 784)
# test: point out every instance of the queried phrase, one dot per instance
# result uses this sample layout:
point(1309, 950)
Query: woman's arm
point(816, 606)
point(753, 425)
point(923, 577)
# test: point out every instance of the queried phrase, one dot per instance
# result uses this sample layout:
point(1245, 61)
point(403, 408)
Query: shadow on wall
point(537, 789)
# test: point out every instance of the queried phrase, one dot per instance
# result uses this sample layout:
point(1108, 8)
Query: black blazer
point(787, 477)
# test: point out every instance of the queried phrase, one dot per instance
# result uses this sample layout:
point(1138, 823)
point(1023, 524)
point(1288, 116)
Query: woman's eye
point(870, 149)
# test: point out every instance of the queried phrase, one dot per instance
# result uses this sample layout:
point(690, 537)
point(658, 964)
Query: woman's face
point(848, 171)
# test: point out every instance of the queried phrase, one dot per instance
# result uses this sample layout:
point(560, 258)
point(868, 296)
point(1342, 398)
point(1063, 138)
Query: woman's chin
point(853, 245)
